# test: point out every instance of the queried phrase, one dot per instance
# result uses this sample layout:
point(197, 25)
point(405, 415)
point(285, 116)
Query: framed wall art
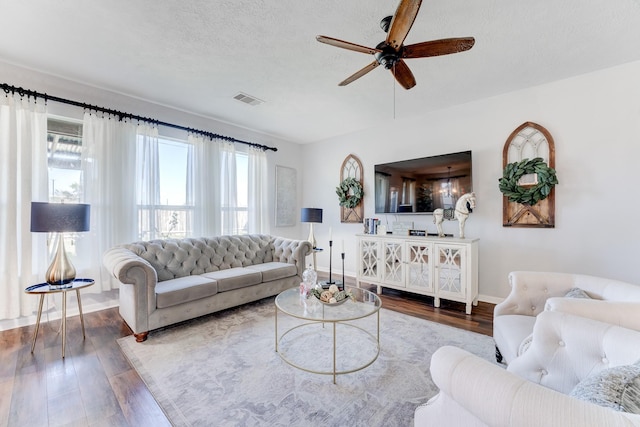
point(350, 190)
point(529, 178)
point(286, 196)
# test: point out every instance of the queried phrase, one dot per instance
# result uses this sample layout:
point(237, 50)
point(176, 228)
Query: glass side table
point(44, 289)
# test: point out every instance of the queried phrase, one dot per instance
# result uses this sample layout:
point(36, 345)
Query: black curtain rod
point(30, 93)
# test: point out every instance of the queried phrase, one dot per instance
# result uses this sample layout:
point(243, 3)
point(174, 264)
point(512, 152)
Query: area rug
point(223, 370)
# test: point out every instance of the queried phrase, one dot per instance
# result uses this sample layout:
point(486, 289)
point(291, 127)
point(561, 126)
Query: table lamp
point(311, 215)
point(59, 218)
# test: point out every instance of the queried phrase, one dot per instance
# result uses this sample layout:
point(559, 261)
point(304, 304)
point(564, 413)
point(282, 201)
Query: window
point(164, 210)
point(241, 210)
point(64, 146)
point(164, 193)
point(64, 168)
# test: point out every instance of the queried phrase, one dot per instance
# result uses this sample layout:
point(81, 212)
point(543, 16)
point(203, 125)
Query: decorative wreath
point(529, 195)
point(350, 192)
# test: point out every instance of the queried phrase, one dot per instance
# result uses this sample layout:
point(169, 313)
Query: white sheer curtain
point(215, 187)
point(258, 212)
point(228, 188)
point(23, 179)
point(204, 178)
point(147, 180)
point(108, 179)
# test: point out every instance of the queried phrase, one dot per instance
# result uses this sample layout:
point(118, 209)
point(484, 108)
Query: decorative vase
point(309, 278)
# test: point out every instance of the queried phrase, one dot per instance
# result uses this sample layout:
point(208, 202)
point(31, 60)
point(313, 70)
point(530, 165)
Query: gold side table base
point(44, 289)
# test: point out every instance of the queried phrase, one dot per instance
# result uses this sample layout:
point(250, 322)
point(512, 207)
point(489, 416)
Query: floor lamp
point(59, 218)
point(311, 215)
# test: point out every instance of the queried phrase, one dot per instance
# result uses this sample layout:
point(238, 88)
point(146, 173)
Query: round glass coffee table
point(328, 339)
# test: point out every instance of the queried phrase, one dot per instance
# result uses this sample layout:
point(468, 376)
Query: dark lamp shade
point(311, 215)
point(59, 217)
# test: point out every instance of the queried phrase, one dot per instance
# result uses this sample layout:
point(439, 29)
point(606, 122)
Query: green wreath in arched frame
point(529, 195)
point(350, 192)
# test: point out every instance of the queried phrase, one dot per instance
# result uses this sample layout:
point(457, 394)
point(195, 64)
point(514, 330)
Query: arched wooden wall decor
point(528, 141)
point(352, 168)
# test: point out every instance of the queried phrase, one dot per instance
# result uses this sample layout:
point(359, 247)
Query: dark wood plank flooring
point(96, 386)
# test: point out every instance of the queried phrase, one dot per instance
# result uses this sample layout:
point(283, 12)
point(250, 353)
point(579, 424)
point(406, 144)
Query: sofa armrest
point(496, 397)
point(119, 261)
point(620, 313)
point(292, 252)
point(138, 283)
point(531, 289)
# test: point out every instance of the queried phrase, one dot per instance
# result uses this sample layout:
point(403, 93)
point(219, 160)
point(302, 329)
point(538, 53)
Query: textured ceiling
point(197, 55)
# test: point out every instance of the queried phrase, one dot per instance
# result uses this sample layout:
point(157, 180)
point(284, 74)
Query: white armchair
point(513, 318)
point(532, 391)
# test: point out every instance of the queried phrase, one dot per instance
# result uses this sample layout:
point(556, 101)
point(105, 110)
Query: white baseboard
point(490, 299)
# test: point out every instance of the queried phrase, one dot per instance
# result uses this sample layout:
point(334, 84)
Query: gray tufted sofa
point(163, 282)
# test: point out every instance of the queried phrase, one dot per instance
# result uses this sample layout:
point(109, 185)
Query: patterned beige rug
point(223, 370)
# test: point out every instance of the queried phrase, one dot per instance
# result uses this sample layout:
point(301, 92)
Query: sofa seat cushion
point(274, 270)
point(234, 278)
point(509, 331)
point(184, 289)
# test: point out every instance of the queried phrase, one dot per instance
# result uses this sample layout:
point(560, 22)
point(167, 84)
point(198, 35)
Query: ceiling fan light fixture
point(387, 57)
point(385, 23)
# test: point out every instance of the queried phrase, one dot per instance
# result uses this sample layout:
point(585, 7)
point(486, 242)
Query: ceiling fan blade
point(438, 47)
point(403, 75)
point(358, 74)
point(346, 45)
point(402, 22)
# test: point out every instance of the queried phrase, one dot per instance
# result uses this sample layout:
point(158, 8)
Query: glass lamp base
point(61, 272)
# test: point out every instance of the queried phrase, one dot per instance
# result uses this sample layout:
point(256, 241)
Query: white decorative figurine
point(464, 206)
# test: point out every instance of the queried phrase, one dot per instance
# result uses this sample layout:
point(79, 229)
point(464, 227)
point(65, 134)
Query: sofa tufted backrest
point(566, 348)
point(531, 289)
point(173, 258)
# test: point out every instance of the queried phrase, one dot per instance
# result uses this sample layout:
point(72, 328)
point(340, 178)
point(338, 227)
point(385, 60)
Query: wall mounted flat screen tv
point(419, 186)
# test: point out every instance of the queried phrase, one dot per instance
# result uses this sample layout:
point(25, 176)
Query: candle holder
point(344, 288)
point(325, 284)
point(330, 282)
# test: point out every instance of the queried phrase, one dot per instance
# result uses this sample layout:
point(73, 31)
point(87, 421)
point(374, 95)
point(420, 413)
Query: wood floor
point(95, 385)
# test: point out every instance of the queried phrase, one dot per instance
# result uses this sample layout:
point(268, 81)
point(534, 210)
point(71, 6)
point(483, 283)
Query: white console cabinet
point(445, 268)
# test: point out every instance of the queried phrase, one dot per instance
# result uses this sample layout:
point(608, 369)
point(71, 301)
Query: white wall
point(288, 154)
point(595, 122)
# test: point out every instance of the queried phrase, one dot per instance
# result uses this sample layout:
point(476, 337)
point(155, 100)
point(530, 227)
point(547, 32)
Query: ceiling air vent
point(248, 99)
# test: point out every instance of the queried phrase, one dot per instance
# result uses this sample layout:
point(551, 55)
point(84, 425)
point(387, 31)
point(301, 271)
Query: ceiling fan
point(391, 52)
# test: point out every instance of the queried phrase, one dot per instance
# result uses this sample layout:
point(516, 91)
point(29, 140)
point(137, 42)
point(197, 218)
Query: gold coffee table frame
point(366, 304)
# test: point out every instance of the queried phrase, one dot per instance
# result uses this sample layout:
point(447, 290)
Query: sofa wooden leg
point(142, 336)
point(498, 355)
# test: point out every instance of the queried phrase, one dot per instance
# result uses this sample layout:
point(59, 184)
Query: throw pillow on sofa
point(577, 293)
point(617, 388)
